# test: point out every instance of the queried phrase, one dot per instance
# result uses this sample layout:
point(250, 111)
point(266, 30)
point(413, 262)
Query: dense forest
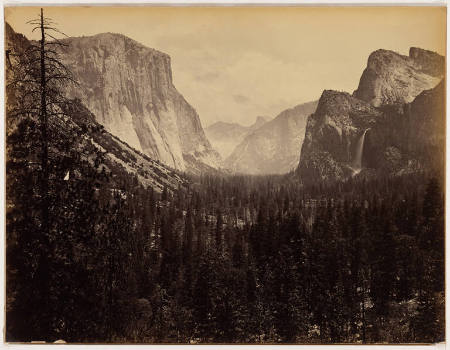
point(224, 259)
point(93, 255)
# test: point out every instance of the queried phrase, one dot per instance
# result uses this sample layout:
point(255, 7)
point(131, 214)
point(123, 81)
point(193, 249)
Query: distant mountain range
point(274, 147)
point(226, 136)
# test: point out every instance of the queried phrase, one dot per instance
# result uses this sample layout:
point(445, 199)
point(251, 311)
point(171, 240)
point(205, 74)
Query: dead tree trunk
point(45, 275)
point(44, 136)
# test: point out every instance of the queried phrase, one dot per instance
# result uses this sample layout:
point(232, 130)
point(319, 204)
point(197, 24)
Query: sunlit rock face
point(273, 148)
point(391, 78)
point(120, 160)
point(129, 89)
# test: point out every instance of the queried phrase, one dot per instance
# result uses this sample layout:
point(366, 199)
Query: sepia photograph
point(225, 174)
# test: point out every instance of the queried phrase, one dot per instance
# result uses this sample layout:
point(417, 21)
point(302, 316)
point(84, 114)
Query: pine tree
point(33, 86)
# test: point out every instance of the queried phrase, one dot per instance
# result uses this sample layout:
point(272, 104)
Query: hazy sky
point(235, 63)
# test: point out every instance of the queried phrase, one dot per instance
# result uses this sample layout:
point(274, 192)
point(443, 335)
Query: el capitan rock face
point(394, 123)
point(272, 148)
point(120, 160)
point(129, 89)
point(391, 78)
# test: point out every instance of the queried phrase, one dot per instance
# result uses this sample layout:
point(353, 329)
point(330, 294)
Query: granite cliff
point(393, 123)
point(129, 88)
point(119, 159)
point(332, 134)
point(410, 138)
point(391, 78)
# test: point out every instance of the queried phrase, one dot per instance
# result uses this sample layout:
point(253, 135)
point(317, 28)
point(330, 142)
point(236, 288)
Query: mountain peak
point(335, 103)
point(417, 52)
point(392, 78)
point(115, 41)
point(427, 61)
point(260, 121)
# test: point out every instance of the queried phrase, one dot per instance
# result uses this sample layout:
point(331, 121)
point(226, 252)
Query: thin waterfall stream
point(357, 161)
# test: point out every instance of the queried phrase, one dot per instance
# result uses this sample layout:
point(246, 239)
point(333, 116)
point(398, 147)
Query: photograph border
point(200, 3)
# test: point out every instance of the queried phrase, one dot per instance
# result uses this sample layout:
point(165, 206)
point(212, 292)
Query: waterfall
point(357, 161)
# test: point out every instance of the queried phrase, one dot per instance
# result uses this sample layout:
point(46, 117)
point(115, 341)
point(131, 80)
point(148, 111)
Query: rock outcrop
point(332, 133)
point(394, 123)
point(391, 78)
point(224, 137)
point(410, 138)
point(129, 88)
point(273, 148)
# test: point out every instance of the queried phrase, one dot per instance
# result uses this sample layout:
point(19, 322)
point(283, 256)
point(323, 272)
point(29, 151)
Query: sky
point(236, 63)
